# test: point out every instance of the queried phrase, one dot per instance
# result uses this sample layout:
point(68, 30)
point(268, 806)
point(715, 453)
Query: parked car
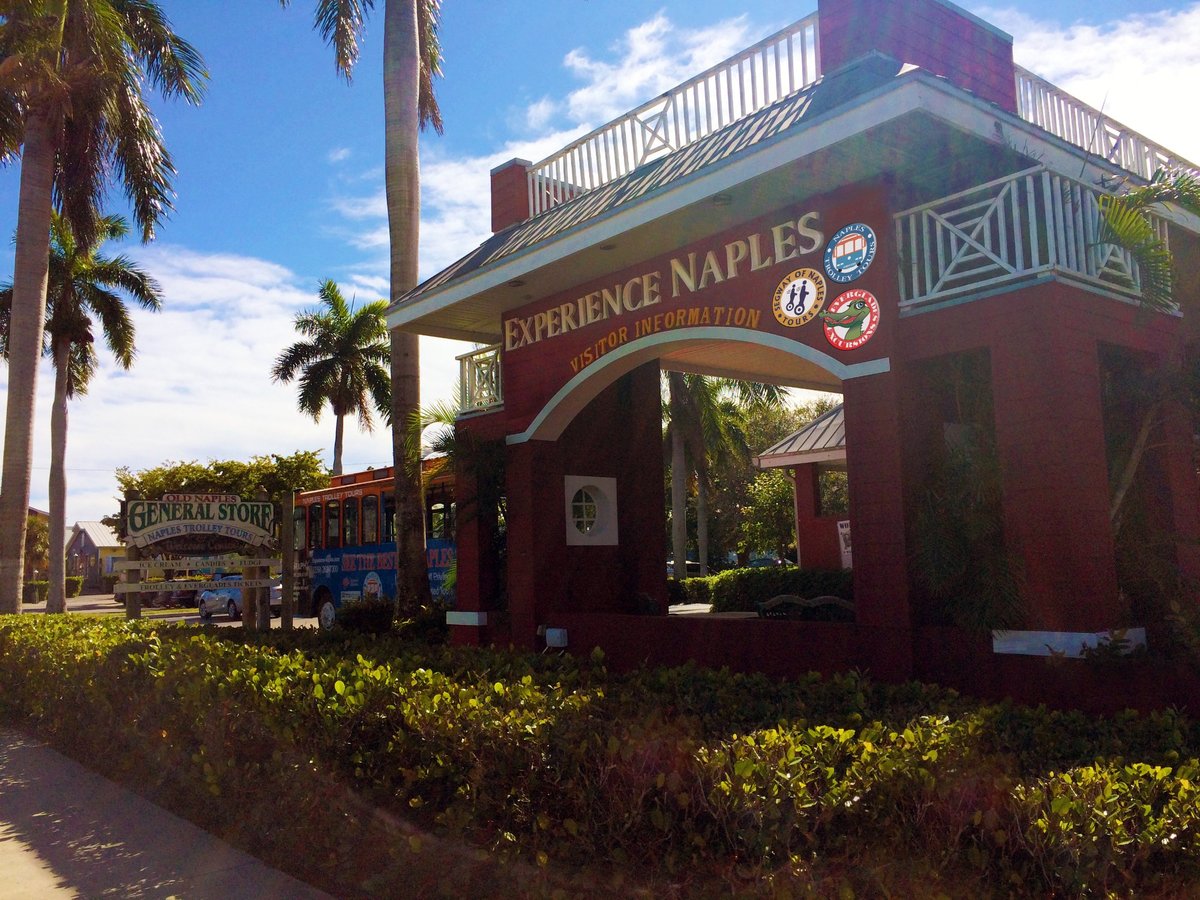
point(691, 567)
point(229, 599)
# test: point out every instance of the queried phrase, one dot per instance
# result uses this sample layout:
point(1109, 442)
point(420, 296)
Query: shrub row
point(738, 590)
point(39, 591)
point(695, 773)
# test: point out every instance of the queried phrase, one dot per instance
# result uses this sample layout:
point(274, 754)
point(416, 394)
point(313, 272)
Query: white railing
point(479, 378)
point(1008, 230)
point(1044, 105)
point(772, 69)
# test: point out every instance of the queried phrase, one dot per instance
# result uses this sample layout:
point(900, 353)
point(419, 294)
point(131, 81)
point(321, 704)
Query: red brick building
point(875, 202)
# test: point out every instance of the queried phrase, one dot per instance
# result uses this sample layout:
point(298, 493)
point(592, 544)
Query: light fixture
point(516, 283)
point(721, 199)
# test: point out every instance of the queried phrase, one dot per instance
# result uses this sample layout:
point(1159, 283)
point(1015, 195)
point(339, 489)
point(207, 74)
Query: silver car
point(229, 599)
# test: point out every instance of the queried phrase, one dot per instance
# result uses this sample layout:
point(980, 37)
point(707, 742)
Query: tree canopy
point(302, 470)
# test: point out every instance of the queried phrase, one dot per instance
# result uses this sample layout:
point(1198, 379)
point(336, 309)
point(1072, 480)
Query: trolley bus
point(346, 543)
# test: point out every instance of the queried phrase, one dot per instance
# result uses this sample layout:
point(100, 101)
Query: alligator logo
point(851, 319)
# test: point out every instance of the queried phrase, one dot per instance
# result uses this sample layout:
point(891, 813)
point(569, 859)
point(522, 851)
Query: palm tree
point(411, 60)
point(81, 284)
point(72, 107)
point(341, 363)
point(1125, 222)
point(702, 428)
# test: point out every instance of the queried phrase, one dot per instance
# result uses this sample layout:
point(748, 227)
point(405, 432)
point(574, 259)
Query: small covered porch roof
point(822, 440)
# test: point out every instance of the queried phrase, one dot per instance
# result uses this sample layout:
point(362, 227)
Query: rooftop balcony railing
point(1042, 104)
point(1013, 229)
point(479, 378)
point(777, 67)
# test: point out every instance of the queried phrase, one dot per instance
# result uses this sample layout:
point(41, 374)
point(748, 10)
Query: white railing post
point(1041, 103)
point(479, 377)
point(1013, 229)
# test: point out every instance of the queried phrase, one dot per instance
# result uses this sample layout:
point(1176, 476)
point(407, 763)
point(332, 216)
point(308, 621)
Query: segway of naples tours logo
point(849, 252)
point(851, 319)
point(799, 297)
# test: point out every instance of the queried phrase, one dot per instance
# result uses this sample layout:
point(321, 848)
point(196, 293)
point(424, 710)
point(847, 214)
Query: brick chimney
point(936, 35)
point(510, 193)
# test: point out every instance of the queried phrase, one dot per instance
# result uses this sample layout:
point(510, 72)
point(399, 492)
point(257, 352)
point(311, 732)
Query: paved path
point(67, 832)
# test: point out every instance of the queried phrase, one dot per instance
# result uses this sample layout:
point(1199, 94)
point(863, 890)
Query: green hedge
point(39, 591)
point(35, 592)
point(712, 781)
point(738, 590)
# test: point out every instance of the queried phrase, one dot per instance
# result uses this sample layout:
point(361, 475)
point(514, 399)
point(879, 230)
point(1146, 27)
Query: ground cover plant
point(681, 781)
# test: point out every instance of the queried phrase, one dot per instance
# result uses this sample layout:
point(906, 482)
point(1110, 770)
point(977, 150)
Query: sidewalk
point(67, 832)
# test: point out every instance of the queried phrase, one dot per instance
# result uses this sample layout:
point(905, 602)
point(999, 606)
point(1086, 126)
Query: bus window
point(370, 520)
point(314, 527)
point(350, 523)
point(438, 520)
point(299, 528)
point(389, 518)
point(333, 524)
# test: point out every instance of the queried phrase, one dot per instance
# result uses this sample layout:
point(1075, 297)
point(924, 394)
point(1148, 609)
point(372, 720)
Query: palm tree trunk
point(702, 521)
point(675, 389)
point(31, 265)
point(339, 433)
point(56, 601)
point(401, 86)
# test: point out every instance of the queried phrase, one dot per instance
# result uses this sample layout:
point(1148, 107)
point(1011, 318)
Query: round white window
point(584, 511)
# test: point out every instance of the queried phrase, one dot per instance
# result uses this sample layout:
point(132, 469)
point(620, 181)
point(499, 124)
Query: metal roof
point(99, 534)
point(821, 440)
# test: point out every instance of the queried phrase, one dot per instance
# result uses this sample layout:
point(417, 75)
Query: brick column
point(536, 539)
point(873, 462)
point(1050, 441)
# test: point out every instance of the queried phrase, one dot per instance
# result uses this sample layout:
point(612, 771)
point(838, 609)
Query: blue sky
point(280, 184)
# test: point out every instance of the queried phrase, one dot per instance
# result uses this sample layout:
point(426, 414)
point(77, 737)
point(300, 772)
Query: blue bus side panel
point(440, 555)
point(360, 571)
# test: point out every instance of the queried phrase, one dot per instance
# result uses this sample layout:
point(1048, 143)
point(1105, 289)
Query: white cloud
point(1137, 69)
point(651, 58)
point(339, 154)
point(201, 387)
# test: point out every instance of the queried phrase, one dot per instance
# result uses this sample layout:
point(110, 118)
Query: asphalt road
point(105, 605)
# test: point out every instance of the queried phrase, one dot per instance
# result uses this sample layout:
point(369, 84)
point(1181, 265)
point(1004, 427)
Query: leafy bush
point(108, 582)
point(738, 590)
point(368, 615)
point(718, 782)
point(74, 585)
point(35, 592)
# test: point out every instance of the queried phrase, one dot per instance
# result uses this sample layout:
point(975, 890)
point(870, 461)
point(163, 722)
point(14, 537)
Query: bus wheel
point(326, 614)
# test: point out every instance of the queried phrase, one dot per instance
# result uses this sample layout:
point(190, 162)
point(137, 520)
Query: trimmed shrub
point(738, 590)
point(74, 585)
point(109, 582)
point(35, 592)
point(721, 783)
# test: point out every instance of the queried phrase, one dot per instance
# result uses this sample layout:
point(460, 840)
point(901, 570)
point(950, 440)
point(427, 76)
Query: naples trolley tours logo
point(799, 297)
point(849, 252)
point(851, 319)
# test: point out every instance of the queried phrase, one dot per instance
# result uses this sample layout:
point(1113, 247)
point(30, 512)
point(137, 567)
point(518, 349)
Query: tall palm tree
point(342, 363)
point(703, 427)
point(72, 107)
point(82, 283)
point(411, 60)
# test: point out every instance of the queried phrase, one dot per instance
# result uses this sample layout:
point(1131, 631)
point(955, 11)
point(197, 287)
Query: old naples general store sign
point(196, 515)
